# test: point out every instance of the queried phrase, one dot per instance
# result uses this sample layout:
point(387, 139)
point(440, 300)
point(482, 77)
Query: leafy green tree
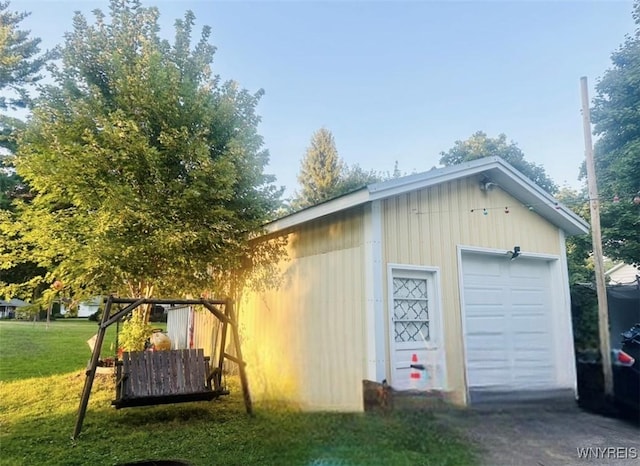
point(320, 170)
point(616, 118)
point(579, 261)
point(584, 316)
point(147, 169)
point(479, 145)
point(354, 177)
point(8, 183)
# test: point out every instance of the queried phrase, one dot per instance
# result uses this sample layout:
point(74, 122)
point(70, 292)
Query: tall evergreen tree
point(20, 69)
point(147, 169)
point(20, 66)
point(616, 118)
point(324, 175)
point(320, 170)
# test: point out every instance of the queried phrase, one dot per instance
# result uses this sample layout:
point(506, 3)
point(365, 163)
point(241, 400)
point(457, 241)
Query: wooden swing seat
point(145, 378)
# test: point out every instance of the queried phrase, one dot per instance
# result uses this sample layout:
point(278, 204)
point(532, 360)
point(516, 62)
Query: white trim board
point(374, 302)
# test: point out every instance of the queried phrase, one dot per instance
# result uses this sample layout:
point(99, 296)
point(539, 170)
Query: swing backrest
point(157, 377)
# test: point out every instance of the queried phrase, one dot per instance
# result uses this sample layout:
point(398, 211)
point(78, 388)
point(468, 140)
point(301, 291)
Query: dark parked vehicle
point(626, 370)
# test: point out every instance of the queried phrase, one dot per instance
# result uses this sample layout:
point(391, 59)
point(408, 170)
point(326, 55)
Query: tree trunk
point(141, 289)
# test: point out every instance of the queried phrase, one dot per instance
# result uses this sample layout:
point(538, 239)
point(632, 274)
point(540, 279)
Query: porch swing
point(145, 378)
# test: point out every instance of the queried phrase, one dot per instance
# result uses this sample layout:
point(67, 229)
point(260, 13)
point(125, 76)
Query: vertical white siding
point(305, 342)
point(425, 227)
point(178, 327)
point(205, 329)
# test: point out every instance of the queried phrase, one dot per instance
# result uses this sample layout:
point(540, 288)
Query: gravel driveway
point(546, 434)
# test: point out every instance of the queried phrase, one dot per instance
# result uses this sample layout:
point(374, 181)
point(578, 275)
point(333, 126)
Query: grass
point(39, 403)
point(29, 349)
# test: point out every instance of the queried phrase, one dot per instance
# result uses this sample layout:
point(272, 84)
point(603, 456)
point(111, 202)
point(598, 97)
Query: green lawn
point(29, 349)
point(41, 377)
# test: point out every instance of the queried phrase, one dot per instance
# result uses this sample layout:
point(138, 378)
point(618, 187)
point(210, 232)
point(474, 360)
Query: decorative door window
point(411, 310)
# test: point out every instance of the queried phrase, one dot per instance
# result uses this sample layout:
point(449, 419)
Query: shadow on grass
point(151, 416)
point(200, 436)
point(157, 463)
point(36, 422)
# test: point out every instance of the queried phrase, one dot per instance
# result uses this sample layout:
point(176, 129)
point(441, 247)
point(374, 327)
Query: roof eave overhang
point(504, 175)
point(531, 195)
point(321, 210)
point(494, 168)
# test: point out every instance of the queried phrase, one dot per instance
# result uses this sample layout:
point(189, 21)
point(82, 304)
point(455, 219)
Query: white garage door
point(507, 323)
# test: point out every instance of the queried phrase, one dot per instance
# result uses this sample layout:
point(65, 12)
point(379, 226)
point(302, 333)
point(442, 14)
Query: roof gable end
point(494, 168)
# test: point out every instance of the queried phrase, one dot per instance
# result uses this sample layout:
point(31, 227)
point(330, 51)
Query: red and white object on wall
point(419, 376)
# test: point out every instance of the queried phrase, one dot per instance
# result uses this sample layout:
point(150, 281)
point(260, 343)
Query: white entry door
point(414, 328)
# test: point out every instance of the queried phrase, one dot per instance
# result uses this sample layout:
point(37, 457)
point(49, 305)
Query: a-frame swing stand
point(174, 376)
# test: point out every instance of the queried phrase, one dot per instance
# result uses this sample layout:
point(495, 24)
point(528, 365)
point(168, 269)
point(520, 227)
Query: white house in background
point(85, 308)
point(622, 274)
point(8, 308)
point(464, 267)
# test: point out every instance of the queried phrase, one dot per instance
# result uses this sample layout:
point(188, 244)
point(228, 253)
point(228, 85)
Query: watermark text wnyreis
point(608, 453)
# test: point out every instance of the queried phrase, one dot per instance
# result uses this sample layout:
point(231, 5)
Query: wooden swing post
point(91, 372)
point(239, 360)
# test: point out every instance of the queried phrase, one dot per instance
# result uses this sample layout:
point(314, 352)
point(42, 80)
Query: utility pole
point(596, 239)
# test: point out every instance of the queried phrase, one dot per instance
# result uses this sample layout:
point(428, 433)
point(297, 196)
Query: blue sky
point(400, 80)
